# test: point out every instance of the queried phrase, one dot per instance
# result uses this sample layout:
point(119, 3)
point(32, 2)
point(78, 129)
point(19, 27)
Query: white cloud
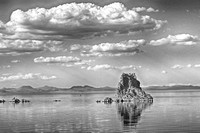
point(79, 47)
point(126, 67)
point(177, 67)
point(15, 61)
point(59, 59)
point(4, 29)
point(142, 9)
point(47, 77)
point(78, 20)
point(130, 47)
point(5, 67)
point(150, 9)
point(84, 62)
point(164, 72)
point(6, 74)
point(41, 29)
point(180, 39)
point(27, 76)
point(186, 66)
point(139, 9)
point(189, 65)
point(109, 67)
point(67, 61)
point(18, 47)
point(197, 65)
point(2, 26)
point(97, 67)
point(75, 47)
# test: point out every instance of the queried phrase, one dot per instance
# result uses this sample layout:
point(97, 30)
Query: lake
point(171, 111)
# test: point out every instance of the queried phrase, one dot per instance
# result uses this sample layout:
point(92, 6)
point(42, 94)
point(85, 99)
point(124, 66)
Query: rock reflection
point(130, 113)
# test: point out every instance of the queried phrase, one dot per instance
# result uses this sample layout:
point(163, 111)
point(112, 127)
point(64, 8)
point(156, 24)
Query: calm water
point(171, 112)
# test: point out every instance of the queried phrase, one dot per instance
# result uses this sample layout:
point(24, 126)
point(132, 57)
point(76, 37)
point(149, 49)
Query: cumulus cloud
point(142, 9)
point(78, 20)
point(40, 29)
point(18, 46)
point(109, 67)
point(180, 39)
point(20, 76)
point(130, 47)
point(2, 26)
point(4, 29)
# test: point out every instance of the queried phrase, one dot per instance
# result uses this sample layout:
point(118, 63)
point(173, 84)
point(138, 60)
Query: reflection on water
point(175, 112)
point(130, 112)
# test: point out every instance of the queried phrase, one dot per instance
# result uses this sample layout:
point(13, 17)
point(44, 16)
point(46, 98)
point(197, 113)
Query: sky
point(64, 43)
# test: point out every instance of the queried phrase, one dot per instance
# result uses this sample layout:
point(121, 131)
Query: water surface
point(171, 111)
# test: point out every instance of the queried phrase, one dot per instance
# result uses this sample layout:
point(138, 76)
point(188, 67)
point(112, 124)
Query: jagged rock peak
point(129, 80)
point(129, 88)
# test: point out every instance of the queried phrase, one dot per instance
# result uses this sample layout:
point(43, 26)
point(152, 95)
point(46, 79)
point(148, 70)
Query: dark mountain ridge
point(50, 89)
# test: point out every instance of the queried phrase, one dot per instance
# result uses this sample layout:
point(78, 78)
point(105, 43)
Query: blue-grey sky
point(76, 42)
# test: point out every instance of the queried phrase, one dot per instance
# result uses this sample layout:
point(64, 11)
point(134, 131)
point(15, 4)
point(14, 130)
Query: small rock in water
point(25, 101)
point(2, 101)
point(98, 101)
point(57, 100)
point(108, 100)
point(15, 100)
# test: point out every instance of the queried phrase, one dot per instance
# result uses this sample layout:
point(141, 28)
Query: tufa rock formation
point(108, 100)
point(129, 89)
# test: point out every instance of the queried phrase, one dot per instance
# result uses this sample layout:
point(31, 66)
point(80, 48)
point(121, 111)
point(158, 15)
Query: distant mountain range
point(174, 87)
point(85, 89)
point(50, 89)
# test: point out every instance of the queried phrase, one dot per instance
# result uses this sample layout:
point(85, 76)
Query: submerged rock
point(129, 89)
point(15, 100)
point(25, 101)
point(98, 101)
point(2, 101)
point(108, 100)
point(57, 100)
